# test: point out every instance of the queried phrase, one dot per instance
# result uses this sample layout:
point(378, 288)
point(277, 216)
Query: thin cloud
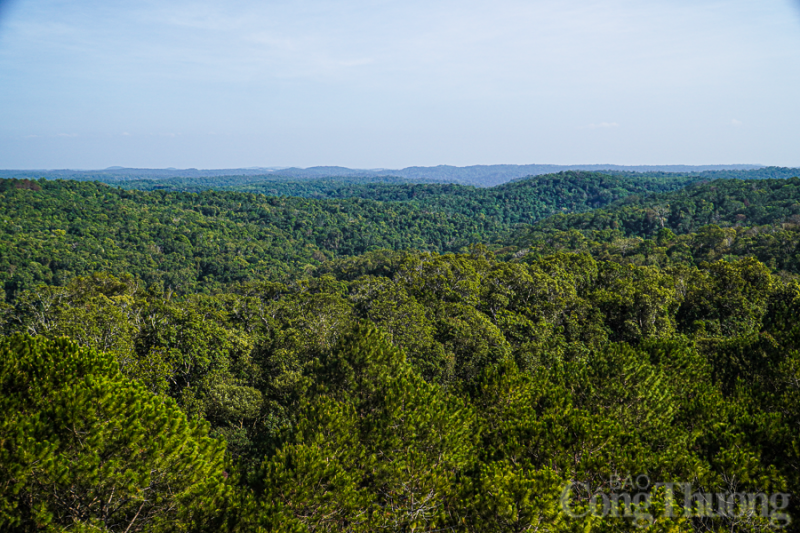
point(735, 123)
point(393, 84)
point(600, 126)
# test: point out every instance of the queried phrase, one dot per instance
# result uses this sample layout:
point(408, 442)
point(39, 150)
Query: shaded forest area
point(213, 362)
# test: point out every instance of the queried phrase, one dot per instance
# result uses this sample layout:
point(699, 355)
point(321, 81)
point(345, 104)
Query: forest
point(195, 242)
point(565, 353)
point(288, 179)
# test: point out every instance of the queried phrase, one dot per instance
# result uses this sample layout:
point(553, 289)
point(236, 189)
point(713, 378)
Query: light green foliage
point(313, 483)
point(510, 497)
point(82, 446)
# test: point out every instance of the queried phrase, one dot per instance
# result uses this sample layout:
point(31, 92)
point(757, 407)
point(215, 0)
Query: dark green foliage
point(195, 242)
point(519, 201)
point(316, 187)
point(8, 184)
point(728, 203)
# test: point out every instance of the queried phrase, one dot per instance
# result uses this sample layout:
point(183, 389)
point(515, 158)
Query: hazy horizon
point(379, 169)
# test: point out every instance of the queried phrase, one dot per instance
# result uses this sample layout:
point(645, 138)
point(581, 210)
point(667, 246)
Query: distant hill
point(478, 175)
point(519, 201)
point(491, 175)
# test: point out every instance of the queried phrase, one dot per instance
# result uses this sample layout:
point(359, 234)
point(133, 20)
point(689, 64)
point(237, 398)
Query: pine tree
point(81, 446)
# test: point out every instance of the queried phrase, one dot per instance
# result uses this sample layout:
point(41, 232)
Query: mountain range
point(479, 175)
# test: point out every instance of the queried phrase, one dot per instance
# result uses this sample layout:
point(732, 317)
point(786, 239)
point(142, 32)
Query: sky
point(389, 84)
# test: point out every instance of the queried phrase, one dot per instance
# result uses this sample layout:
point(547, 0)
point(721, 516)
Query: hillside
point(198, 241)
point(723, 202)
point(285, 364)
point(191, 241)
point(725, 219)
point(320, 186)
point(521, 201)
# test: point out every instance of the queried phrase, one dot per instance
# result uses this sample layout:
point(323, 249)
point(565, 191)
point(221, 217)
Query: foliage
point(396, 389)
point(195, 242)
point(726, 203)
point(82, 446)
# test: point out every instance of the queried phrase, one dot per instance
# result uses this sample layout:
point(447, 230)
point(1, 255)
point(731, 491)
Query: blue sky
point(386, 83)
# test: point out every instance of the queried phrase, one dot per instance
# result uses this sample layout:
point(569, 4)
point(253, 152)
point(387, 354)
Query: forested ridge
point(315, 185)
point(723, 219)
point(725, 202)
point(228, 361)
point(392, 188)
point(517, 201)
point(199, 241)
point(479, 175)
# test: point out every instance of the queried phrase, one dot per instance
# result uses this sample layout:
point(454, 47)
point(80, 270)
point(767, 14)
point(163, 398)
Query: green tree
point(82, 445)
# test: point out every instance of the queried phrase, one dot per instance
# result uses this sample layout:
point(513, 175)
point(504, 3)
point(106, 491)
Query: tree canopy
point(234, 381)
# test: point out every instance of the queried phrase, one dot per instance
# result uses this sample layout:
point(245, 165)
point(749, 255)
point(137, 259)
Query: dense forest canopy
point(402, 357)
point(196, 242)
point(725, 202)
